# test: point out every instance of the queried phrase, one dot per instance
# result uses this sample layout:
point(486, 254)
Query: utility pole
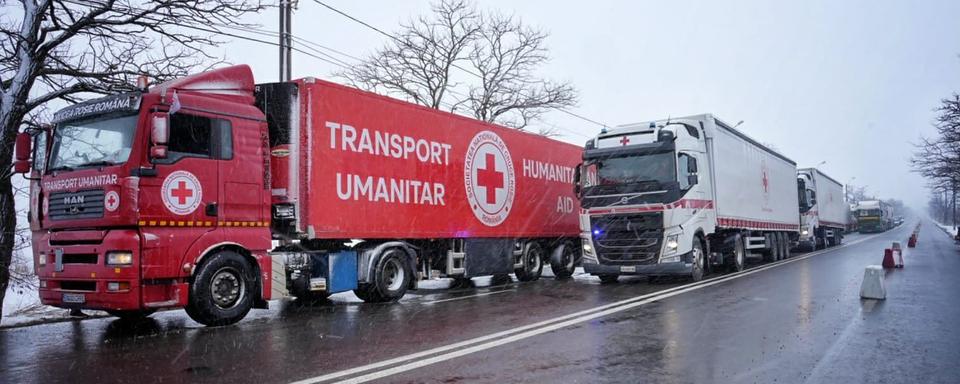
point(286, 39)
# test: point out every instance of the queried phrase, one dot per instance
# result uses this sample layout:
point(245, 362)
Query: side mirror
point(693, 180)
point(576, 180)
point(24, 145)
point(159, 134)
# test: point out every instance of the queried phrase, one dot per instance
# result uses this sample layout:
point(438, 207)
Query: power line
point(361, 22)
point(304, 42)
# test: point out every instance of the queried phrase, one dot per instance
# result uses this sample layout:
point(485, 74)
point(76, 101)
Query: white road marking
point(512, 335)
point(469, 296)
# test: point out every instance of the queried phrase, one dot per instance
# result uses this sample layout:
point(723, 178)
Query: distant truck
point(683, 195)
point(873, 216)
point(171, 197)
point(823, 210)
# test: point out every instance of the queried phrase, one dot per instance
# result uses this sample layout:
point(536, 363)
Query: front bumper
point(79, 276)
point(660, 269)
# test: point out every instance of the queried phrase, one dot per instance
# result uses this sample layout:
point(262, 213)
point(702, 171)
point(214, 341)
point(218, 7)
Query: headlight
point(804, 232)
point(673, 242)
point(119, 258)
point(587, 248)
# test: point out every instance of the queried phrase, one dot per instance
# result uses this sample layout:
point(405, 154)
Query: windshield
point(657, 167)
point(89, 142)
point(869, 212)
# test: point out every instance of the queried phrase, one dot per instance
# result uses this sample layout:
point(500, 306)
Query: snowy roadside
point(22, 308)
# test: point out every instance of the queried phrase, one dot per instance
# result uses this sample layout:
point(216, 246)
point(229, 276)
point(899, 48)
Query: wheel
point(391, 278)
point(532, 259)
point(776, 247)
point(739, 253)
point(699, 260)
point(608, 279)
point(130, 315)
point(500, 279)
point(785, 246)
point(772, 252)
point(838, 238)
point(222, 290)
point(564, 263)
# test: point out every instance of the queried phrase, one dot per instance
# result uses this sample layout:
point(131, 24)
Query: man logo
point(489, 178)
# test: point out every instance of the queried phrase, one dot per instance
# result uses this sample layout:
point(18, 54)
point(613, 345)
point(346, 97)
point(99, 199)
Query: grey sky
point(852, 83)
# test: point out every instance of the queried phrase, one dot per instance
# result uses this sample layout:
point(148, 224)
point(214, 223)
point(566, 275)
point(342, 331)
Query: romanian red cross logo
point(766, 182)
point(624, 141)
point(111, 201)
point(489, 178)
point(181, 192)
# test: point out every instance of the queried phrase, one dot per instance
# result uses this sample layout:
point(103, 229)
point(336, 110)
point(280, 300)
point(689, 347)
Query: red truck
point(215, 194)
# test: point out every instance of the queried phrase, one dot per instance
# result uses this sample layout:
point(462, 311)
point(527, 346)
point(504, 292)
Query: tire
point(564, 263)
point(772, 253)
point(391, 277)
point(776, 247)
point(532, 259)
point(223, 289)
point(785, 246)
point(132, 315)
point(699, 260)
point(739, 254)
point(608, 279)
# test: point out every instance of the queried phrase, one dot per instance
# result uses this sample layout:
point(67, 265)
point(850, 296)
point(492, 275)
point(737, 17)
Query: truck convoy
point(681, 196)
point(823, 210)
point(173, 197)
point(873, 216)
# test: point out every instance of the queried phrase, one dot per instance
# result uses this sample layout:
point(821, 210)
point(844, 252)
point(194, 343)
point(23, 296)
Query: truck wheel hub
point(227, 287)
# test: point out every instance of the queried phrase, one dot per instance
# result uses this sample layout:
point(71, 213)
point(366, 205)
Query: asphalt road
point(800, 320)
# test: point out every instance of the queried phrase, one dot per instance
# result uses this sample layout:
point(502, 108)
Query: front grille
point(629, 239)
point(76, 205)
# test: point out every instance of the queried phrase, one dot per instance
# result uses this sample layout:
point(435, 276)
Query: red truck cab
point(132, 193)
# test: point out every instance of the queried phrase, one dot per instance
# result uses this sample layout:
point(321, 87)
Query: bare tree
point(497, 57)
point(938, 158)
point(70, 49)
point(418, 62)
point(506, 56)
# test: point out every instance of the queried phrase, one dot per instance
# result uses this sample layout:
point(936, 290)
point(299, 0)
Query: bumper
point(76, 274)
point(661, 269)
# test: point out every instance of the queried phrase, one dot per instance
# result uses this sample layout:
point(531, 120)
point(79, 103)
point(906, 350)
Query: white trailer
point(679, 196)
point(823, 210)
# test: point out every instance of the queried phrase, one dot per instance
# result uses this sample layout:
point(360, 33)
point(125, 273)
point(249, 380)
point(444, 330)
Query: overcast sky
point(852, 83)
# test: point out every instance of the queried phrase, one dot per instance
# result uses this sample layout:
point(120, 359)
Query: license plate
point(75, 298)
point(628, 269)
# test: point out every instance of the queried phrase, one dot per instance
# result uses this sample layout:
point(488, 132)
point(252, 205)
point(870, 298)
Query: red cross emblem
point(489, 178)
point(181, 192)
point(111, 201)
point(624, 141)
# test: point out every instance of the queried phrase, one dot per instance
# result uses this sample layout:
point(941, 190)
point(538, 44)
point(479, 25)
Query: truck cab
point(154, 199)
point(644, 194)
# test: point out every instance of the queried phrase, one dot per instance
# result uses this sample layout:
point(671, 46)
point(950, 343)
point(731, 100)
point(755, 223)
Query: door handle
point(211, 209)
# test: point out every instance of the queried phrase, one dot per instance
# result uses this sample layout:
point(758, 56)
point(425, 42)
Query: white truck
point(683, 195)
point(823, 210)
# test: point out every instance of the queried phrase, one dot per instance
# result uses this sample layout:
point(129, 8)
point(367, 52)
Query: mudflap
point(486, 257)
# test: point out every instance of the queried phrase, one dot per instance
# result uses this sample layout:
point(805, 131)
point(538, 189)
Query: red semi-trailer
point(176, 196)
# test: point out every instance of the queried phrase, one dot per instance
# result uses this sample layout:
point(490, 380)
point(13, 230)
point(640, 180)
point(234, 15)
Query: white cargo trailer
point(679, 196)
point(823, 210)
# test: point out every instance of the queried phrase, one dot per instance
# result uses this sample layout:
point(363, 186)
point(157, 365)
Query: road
point(800, 320)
